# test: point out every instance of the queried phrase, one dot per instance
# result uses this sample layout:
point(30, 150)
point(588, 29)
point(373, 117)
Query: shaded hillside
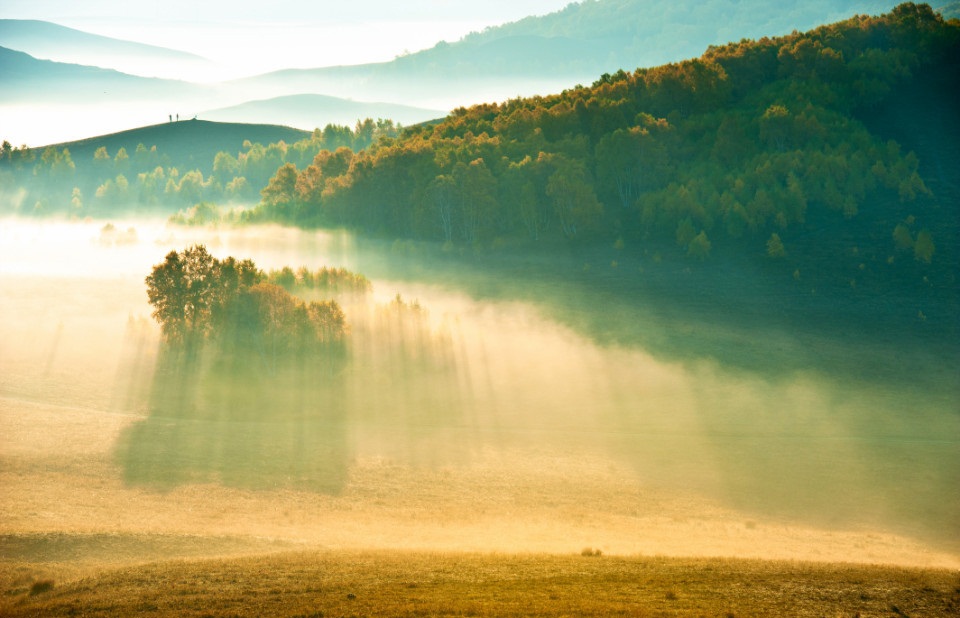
point(309, 111)
point(29, 80)
point(755, 154)
point(188, 144)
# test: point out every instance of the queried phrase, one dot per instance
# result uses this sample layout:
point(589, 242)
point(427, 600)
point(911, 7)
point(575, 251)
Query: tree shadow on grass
point(235, 423)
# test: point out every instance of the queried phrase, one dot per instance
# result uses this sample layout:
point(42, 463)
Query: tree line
point(56, 183)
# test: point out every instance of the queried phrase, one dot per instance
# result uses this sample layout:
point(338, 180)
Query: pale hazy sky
point(254, 36)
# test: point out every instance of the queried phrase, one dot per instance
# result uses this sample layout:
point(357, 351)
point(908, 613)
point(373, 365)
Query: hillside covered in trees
point(829, 156)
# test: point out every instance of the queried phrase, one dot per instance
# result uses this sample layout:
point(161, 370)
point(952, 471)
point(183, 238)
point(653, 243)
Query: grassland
point(345, 583)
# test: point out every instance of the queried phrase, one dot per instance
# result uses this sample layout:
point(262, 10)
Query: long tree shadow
point(235, 424)
point(255, 388)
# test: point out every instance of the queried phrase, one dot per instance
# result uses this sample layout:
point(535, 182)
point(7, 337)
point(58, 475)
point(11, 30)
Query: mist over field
point(454, 420)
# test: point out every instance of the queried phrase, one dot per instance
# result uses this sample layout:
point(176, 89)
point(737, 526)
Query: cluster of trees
point(56, 183)
point(239, 347)
point(230, 305)
point(757, 146)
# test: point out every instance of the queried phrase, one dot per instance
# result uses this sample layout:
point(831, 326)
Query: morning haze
point(680, 341)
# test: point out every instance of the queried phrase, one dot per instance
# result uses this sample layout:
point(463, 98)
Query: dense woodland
point(766, 149)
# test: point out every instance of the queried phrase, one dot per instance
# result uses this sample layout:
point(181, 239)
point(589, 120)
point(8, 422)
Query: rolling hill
point(190, 143)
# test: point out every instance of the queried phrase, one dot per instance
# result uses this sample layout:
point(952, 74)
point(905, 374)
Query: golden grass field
point(486, 522)
point(396, 583)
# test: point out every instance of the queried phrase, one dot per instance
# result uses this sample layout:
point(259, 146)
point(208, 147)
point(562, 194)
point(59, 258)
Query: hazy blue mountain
point(632, 33)
point(29, 80)
point(549, 53)
point(310, 111)
point(51, 41)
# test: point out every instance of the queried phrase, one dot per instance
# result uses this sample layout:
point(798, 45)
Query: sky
point(254, 37)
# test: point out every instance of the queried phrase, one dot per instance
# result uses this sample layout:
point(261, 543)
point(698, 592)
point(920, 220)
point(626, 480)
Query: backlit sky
point(251, 37)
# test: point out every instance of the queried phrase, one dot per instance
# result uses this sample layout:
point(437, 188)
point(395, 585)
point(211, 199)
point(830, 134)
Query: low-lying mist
point(434, 379)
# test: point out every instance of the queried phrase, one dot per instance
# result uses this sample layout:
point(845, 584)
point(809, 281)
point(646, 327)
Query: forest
point(773, 150)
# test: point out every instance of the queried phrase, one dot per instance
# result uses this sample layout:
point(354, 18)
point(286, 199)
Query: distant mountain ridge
point(543, 54)
point(31, 80)
point(49, 41)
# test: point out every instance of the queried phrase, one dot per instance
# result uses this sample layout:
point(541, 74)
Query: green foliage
point(775, 248)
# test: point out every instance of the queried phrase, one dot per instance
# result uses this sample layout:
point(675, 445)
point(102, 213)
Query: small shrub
point(591, 552)
point(44, 585)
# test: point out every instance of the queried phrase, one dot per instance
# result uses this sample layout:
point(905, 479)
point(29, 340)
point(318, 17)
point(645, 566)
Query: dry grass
point(343, 583)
